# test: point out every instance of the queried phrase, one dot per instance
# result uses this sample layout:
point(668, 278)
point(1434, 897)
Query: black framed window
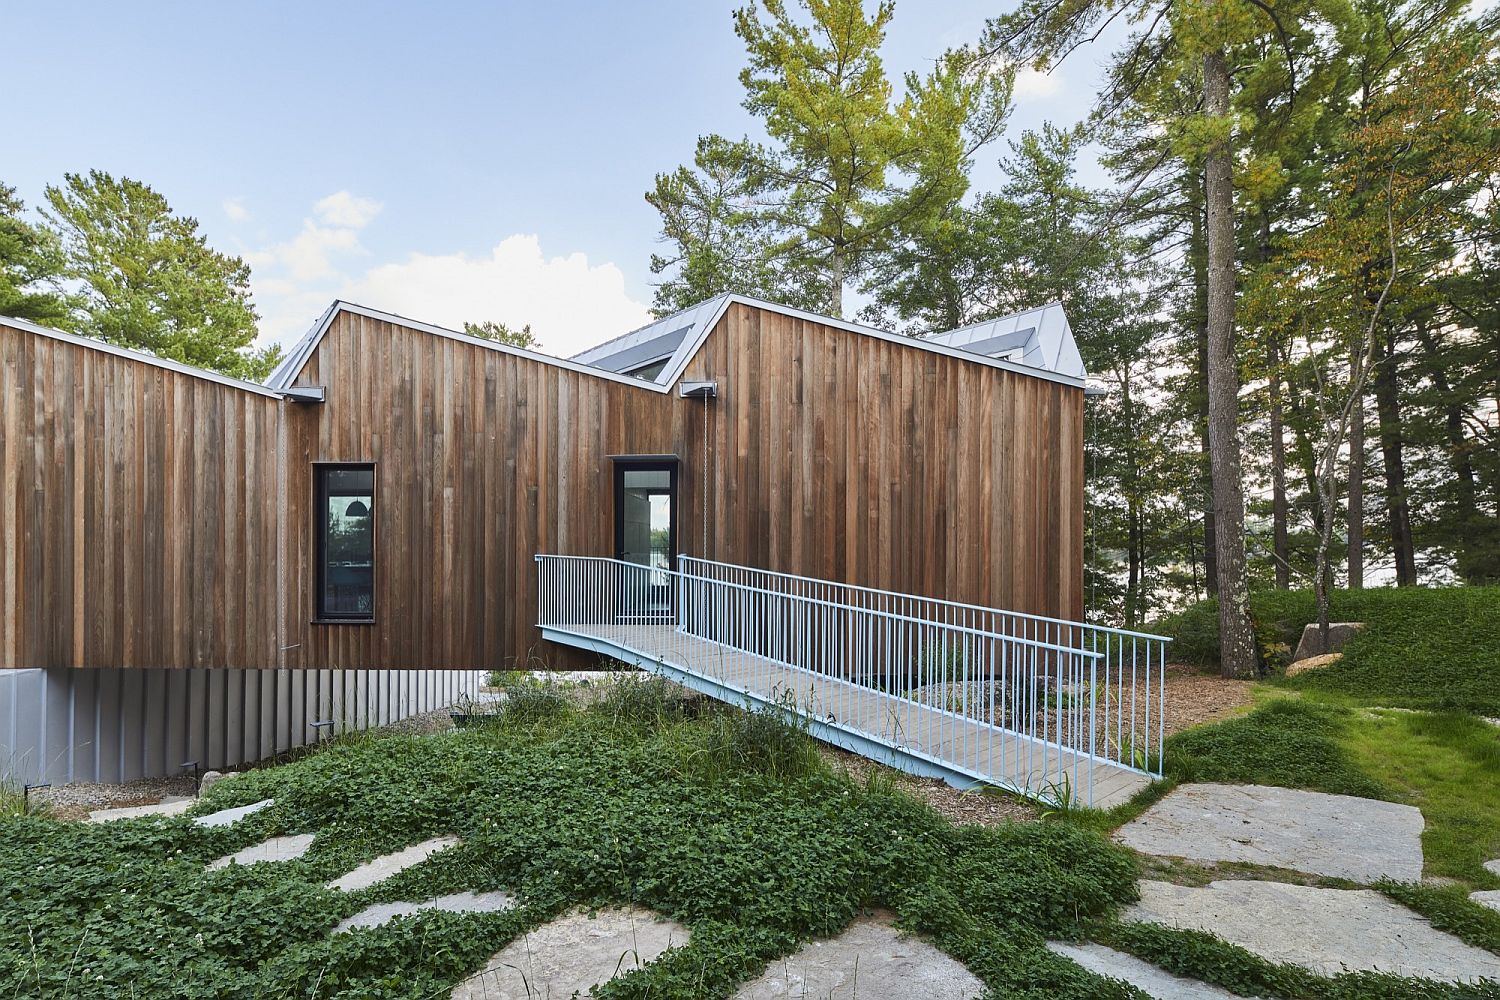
point(646, 511)
point(345, 513)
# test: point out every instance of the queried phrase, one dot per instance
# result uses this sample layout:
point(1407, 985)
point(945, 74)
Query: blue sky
point(448, 161)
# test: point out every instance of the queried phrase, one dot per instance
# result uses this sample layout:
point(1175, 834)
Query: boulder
point(209, 780)
point(1312, 636)
point(1312, 663)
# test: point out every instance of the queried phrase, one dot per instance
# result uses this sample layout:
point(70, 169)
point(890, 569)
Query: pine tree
point(31, 266)
point(149, 279)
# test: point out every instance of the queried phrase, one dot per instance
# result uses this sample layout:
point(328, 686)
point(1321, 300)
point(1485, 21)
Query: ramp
point(974, 696)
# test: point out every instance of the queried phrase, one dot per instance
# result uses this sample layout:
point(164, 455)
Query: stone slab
point(458, 902)
point(1339, 633)
point(869, 961)
point(276, 849)
point(1339, 836)
point(171, 805)
point(1493, 867)
point(382, 868)
point(1327, 931)
point(573, 954)
point(1144, 976)
point(1313, 663)
point(1490, 898)
point(228, 817)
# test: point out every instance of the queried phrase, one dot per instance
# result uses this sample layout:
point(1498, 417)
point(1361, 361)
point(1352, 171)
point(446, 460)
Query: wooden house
point(376, 509)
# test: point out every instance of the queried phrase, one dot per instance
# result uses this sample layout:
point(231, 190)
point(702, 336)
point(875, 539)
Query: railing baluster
point(859, 648)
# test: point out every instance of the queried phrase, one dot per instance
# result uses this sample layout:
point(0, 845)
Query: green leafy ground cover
point(727, 822)
point(1426, 648)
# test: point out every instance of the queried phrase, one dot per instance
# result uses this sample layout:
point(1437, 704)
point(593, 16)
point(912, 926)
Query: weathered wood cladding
point(137, 517)
point(829, 454)
point(140, 507)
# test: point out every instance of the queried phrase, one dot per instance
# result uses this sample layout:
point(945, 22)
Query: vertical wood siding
point(148, 521)
point(136, 522)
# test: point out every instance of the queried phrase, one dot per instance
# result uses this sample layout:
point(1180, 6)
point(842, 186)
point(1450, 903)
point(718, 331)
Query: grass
point(727, 821)
point(1450, 909)
point(1447, 765)
point(13, 801)
point(1293, 743)
point(1212, 960)
point(1436, 649)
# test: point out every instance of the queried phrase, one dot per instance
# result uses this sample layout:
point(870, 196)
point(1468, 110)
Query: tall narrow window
point(346, 542)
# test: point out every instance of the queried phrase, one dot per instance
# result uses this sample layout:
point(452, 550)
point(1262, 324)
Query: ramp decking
point(891, 728)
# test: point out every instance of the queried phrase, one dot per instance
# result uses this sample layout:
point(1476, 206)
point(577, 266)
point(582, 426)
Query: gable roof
point(673, 341)
point(1048, 348)
point(141, 356)
point(1042, 337)
point(286, 373)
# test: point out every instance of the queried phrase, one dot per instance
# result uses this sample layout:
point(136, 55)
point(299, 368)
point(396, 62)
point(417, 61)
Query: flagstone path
point(869, 961)
point(573, 953)
point(1339, 836)
point(1325, 930)
point(276, 849)
point(385, 866)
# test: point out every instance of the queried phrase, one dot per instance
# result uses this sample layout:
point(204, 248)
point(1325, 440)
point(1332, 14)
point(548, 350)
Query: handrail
point(1013, 701)
point(920, 597)
point(822, 602)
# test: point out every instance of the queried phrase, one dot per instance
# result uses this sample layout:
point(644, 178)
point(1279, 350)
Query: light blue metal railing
point(955, 692)
point(1130, 722)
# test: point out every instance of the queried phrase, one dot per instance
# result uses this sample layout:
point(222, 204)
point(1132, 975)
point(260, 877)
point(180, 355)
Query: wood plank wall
point(855, 459)
point(135, 528)
point(140, 507)
point(829, 454)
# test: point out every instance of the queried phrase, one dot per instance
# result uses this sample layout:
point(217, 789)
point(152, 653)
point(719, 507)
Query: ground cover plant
point(1426, 648)
point(720, 819)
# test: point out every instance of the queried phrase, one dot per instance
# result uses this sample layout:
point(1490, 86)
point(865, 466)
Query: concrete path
point(1147, 978)
point(171, 805)
point(869, 961)
point(228, 817)
point(1327, 931)
point(458, 902)
point(573, 954)
point(382, 868)
point(275, 849)
point(1339, 836)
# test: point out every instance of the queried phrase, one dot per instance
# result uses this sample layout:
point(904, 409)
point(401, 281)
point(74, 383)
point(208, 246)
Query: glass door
point(646, 534)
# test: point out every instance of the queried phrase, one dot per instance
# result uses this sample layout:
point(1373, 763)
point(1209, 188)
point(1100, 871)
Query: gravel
point(980, 808)
point(77, 800)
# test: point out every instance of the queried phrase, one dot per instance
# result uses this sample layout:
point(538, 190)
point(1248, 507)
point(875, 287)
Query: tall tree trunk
point(1356, 516)
point(1280, 550)
point(1474, 531)
point(1392, 448)
point(1132, 507)
point(1236, 635)
point(1307, 462)
point(836, 283)
point(1279, 554)
point(1199, 255)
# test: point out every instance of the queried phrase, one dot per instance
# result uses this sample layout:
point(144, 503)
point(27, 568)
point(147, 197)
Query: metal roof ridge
point(132, 354)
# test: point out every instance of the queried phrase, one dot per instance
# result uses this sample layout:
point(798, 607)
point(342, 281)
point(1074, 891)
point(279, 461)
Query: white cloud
point(309, 255)
point(332, 231)
point(344, 209)
point(570, 303)
point(235, 209)
point(1030, 83)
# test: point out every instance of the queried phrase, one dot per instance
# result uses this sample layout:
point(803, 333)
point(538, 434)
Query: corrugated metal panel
point(118, 725)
